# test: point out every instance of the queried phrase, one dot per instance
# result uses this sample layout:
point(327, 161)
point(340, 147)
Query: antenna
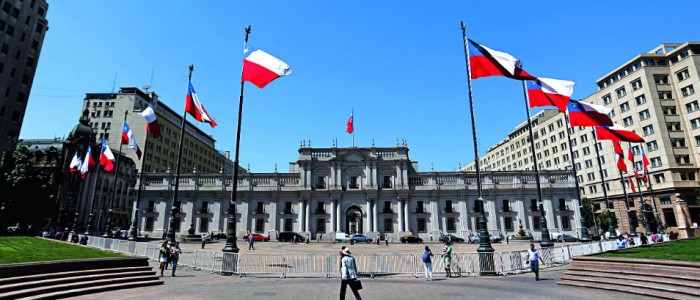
point(114, 82)
point(150, 84)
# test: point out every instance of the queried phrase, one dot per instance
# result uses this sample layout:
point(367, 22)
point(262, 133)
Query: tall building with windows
point(23, 25)
point(652, 94)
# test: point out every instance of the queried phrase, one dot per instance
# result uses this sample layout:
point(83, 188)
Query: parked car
point(566, 238)
point(451, 238)
point(361, 238)
point(409, 238)
point(289, 236)
point(492, 238)
point(257, 237)
point(342, 237)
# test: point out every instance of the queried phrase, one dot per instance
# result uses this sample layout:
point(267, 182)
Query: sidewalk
point(198, 285)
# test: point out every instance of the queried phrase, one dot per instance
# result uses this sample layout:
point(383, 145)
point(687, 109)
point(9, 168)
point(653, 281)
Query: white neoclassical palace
point(361, 190)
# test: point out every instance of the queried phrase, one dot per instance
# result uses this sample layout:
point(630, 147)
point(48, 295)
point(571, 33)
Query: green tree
point(588, 214)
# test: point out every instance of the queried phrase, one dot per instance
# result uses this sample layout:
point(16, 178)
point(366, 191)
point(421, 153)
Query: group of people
point(169, 255)
point(447, 259)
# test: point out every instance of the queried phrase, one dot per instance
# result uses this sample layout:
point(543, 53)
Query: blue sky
point(399, 66)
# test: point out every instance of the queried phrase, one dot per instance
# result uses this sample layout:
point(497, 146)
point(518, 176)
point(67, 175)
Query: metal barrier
point(328, 265)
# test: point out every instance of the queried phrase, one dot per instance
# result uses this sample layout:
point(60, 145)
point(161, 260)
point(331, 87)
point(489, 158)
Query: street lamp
point(546, 240)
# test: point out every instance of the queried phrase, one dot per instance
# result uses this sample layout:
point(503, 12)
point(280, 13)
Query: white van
point(342, 237)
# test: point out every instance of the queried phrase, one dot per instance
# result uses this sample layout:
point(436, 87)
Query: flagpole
point(133, 231)
point(94, 192)
point(170, 236)
point(108, 225)
point(231, 224)
point(352, 116)
point(642, 203)
point(546, 241)
point(585, 235)
point(611, 226)
point(659, 224)
point(484, 238)
point(631, 219)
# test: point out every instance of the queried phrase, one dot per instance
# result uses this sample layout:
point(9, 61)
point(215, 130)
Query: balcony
point(449, 210)
point(387, 211)
point(320, 212)
point(321, 186)
point(564, 208)
point(506, 210)
point(204, 210)
point(386, 185)
point(259, 211)
point(149, 210)
point(231, 211)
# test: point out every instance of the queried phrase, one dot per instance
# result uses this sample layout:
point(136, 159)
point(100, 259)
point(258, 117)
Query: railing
point(327, 265)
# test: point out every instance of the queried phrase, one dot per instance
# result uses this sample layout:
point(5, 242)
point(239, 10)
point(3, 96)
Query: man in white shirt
point(533, 256)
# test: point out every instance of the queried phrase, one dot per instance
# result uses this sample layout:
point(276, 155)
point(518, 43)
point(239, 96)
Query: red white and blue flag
point(620, 157)
point(152, 124)
point(75, 163)
point(88, 163)
point(629, 179)
point(630, 156)
point(195, 108)
point(351, 124)
point(645, 164)
point(261, 68)
point(486, 62)
point(549, 92)
point(106, 157)
point(586, 114)
point(129, 140)
point(617, 133)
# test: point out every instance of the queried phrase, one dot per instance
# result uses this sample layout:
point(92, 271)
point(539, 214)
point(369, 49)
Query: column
point(369, 216)
point(307, 215)
point(405, 215)
point(434, 215)
point(333, 215)
point(337, 213)
point(400, 215)
point(490, 207)
point(374, 215)
point(577, 216)
point(300, 218)
point(463, 214)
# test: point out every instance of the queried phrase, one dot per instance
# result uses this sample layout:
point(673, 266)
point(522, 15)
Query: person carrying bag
point(348, 272)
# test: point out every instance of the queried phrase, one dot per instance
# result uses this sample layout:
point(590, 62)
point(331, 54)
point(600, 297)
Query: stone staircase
point(53, 280)
point(665, 279)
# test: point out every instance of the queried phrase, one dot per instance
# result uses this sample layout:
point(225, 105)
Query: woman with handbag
point(348, 271)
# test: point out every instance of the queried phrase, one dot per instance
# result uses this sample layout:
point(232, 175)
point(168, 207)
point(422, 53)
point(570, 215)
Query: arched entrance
point(353, 220)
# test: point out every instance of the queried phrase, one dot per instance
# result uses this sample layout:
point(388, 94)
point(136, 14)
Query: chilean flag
point(128, 139)
point(152, 125)
point(620, 157)
point(585, 114)
point(88, 163)
point(630, 155)
point(617, 133)
point(75, 163)
point(195, 108)
point(550, 92)
point(260, 68)
point(486, 62)
point(631, 183)
point(645, 164)
point(106, 157)
point(351, 124)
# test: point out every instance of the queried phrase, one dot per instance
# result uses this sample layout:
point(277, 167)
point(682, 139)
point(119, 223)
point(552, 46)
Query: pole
point(231, 224)
point(642, 203)
point(108, 225)
point(352, 116)
point(659, 224)
point(133, 231)
point(546, 241)
point(631, 219)
point(585, 235)
point(484, 238)
point(611, 226)
point(170, 236)
point(94, 193)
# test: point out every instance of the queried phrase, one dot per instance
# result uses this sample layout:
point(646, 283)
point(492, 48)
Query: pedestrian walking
point(340, 258)
point(534, 258)
point(427, 255)
point(654, 237)
point(294, 239)
point(175, 256)
point(348, 272)
point(251, 241)
point(447, 257)
point(643, 239)
point(204, 240)
point(377, 239)
point(163, 256)
point(621, 243)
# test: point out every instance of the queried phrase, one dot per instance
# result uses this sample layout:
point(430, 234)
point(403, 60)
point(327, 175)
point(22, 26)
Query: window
point(591, 176)
point(288, 225)
point(611, 113)
point(149, 223)
point(655, 161)
point(652, 146)
point(506, 206)
point(637, 84)
point(508, 224)
point(643, 115)
point(203, 224)
point(321, 225)
point(692, 106)
point(533, 205)
point(589, 163)
point(321, 182)
point(451, 225)
point(177, 221)
point(566, 223)
point(353, 182)
point(670, 217)
point(665, 95)
point(260, 208)
point(678, 142)
point(687, 91)
point(388, 225)
point(649, 129)
point(627, 121)
point(621, 92)
point(387, 207)
point(259, 225)
point(695, 123)
point(584, 138)
point(683, 75)
point(448, 206)
point(387, 182)
point(586, 151)
point(422, 225)
point(669, 110)
point(624, 107)
point(697, 140)
point(641, 99)
point(660, 178)
point(535, 223)
point(682, 159)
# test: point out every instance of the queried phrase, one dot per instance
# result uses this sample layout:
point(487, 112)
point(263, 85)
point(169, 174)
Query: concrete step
point(676, 280)
point(689, 292)
point(25, 278)
point(70, 279)
point(625, 289)
point(40, 290)
point(658, 268)
point(93, 289)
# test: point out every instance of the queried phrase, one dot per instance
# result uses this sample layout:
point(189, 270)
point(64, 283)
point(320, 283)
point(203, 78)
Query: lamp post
point(546, 240)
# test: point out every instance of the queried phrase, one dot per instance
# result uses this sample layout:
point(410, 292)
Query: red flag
point(350, 128)
point(195, 108)
point(631, 183)
point(152, 124)
point(620, 157)
point(617, 133)
point(488, 62)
